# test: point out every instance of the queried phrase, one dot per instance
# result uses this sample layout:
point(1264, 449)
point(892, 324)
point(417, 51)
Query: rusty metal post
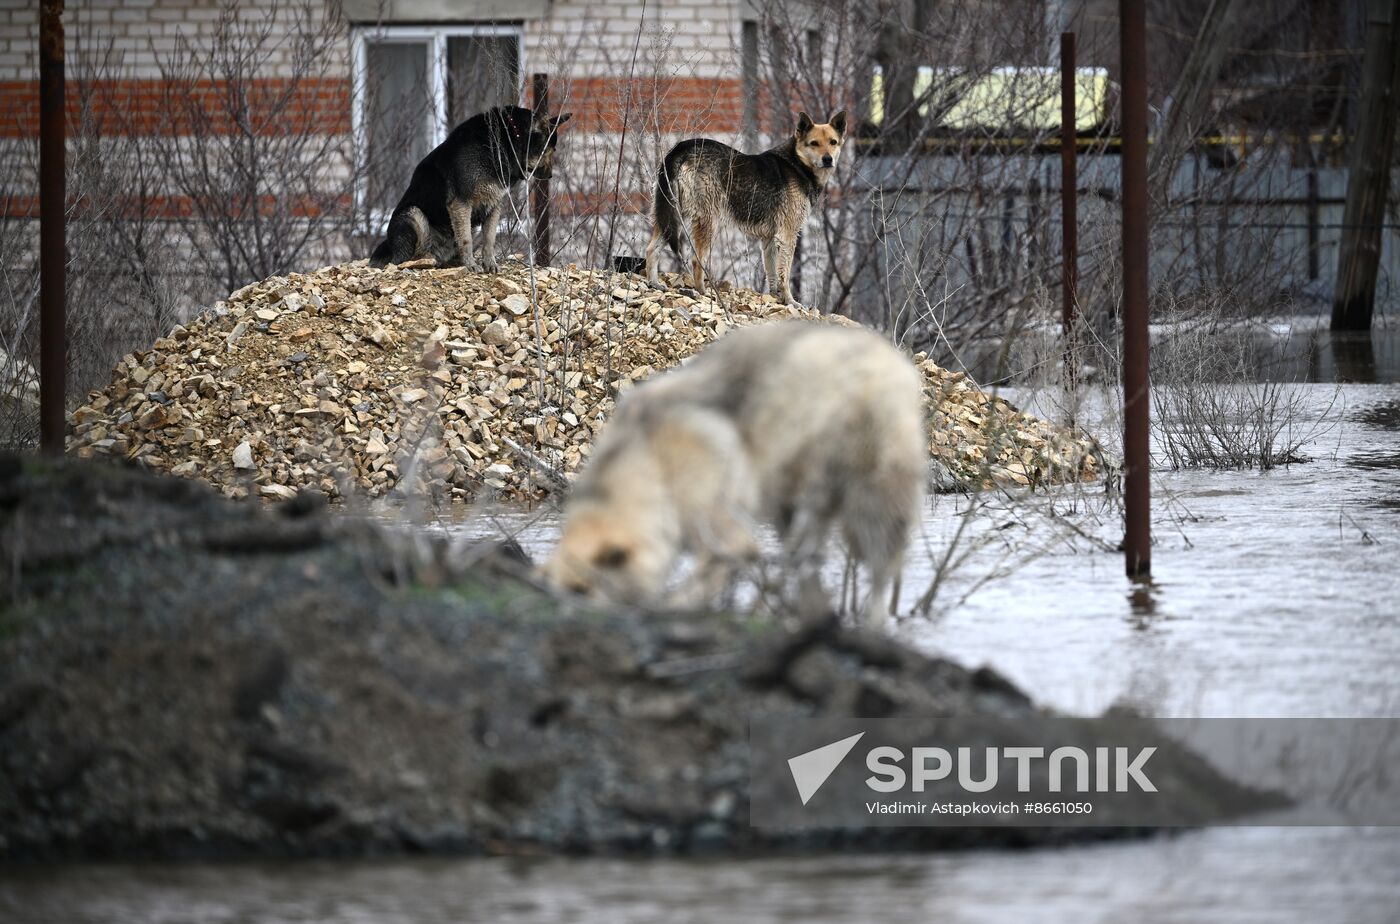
point(1137, 493)
point(539, 186)
point(1069, 202)
point(52, 321)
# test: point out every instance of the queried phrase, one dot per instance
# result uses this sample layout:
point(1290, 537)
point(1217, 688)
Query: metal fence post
point(1069, 202)
point(539, 188)
point(1137, 494)
point(52, 257)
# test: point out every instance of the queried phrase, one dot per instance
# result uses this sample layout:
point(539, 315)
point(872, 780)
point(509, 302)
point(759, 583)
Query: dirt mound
point(356, 377)
point(340, 695)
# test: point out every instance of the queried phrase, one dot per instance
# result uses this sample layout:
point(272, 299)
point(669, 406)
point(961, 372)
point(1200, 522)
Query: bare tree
point(1191, 97)
point(234, 177)
point(263, 166)
point(1368, 183)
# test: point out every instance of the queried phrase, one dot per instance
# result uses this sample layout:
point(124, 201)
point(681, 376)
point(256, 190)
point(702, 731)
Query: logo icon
point(810, 770)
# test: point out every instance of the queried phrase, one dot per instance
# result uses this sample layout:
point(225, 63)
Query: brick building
point(391, 76)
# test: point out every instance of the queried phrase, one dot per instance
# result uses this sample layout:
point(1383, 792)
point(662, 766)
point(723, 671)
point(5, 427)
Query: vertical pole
point(539, 191)
point(1314, 237)
point(52, 323)
point(1069, 200)
point(1035, 216)
point(1137, 540)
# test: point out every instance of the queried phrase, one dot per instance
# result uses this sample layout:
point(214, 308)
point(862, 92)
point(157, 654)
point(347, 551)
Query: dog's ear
point(804, 124)
point(838, 122)
point(560, 120)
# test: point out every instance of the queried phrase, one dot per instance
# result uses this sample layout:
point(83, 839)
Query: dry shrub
point(1214, 405)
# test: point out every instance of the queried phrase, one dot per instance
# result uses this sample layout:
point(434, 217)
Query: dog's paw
point(490, 265)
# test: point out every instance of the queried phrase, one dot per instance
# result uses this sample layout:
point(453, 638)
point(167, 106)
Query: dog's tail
point(666, 206)
point(401, 242)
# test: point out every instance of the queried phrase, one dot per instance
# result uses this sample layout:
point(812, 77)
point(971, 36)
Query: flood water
point(1275, 594)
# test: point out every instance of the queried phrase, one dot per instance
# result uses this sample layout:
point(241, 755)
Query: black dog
point(462, 183)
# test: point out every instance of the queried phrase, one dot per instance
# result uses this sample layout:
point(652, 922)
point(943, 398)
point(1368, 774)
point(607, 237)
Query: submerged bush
point(1214, 407)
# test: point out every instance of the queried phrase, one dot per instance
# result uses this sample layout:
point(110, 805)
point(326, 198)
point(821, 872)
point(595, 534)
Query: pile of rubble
point(357, 379)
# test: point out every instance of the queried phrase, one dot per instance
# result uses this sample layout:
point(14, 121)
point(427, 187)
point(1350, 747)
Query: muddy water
point(1275, 595)
point(1253, 875)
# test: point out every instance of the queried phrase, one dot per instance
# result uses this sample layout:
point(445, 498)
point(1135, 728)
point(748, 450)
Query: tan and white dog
point(805, 426)
point(768, 196)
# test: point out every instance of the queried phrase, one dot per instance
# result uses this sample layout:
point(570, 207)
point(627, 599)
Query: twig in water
point(556, 477)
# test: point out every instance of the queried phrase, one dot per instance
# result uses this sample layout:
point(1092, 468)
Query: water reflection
point(1142, 601)
point(1353, 356)
point(1383, 415)
point(1226, 875)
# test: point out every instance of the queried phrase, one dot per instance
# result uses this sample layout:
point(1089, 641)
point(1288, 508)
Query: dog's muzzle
point(827, 161)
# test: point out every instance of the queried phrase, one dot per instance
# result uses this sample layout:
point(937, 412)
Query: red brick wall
point(679, 105)
point(149, 106)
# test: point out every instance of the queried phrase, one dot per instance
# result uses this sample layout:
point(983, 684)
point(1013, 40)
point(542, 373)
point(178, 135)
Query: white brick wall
point(129, 28)
point(595, 38)
point(577, 38)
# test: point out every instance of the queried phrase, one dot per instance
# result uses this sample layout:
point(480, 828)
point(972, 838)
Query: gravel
point(352, 379)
